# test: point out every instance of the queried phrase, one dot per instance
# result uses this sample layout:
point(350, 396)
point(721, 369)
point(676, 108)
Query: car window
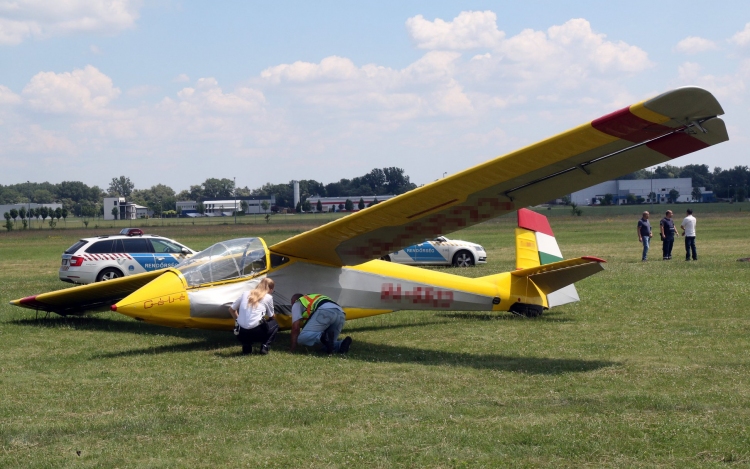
point(76, 247)
point(135, 245)
point(162, 245)
point(101, 247)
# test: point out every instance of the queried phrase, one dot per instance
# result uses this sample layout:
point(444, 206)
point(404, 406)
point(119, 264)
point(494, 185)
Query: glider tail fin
point(536, 246)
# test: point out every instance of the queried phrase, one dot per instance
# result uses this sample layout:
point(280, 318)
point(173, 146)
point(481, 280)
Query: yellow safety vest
point(310, 303)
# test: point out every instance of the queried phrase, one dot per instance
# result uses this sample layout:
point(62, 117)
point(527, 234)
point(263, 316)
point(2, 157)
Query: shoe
point(327, 341)
point(264, 349)
point(665, 258)
point(644, 260)
point(345, 344)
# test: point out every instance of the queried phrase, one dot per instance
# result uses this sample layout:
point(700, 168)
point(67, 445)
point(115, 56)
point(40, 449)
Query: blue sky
point(176, 92)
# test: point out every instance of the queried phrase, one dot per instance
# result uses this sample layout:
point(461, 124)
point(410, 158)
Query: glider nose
point(164, 300)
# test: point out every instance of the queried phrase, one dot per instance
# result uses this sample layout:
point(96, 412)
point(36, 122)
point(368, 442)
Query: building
point(336, 204)
point(9, 207)
point(218, 208)
point(125, 210)
point(621, 189)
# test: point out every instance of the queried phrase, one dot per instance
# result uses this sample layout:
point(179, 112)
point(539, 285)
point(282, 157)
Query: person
point(253, 311)
point(644, 234)
point(668, 232)
point(318, 320)
point(688, 231)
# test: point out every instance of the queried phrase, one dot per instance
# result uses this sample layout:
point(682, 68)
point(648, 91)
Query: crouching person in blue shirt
point(317, 319)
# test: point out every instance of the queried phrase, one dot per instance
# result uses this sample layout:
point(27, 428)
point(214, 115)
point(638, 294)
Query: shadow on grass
point(502, 316)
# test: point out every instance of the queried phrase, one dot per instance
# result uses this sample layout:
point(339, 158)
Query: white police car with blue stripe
point(440, 251)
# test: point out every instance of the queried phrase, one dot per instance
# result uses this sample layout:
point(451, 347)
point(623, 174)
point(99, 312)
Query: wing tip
point(595, 259)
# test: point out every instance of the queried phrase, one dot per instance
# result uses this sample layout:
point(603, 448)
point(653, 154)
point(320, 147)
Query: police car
point(108, 257)
point(440, 251)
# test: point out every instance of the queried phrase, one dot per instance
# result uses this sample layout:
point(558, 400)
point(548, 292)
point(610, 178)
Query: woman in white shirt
point(253, 311)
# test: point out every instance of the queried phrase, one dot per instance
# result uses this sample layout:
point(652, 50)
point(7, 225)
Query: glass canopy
point(225, 260)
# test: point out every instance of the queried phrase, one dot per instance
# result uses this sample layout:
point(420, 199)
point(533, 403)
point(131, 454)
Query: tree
point(574, 210)
point(244, 205)
point(565, 200)
point(652, 197)
point(673, 195)
point(264, 205)
point(697, 194)
point(121, 186)
point(319, 206)
point(607, 200)
point(630, 199)
point(13, 214)
point(201, 208)
point(58, 213)
point(361, 204)
point(348, 205)
point(44, 212)
point(218, 188)
point(115, 212)
point(8, 224)
point(306, 206)
point(639, 200)
point(64, 214)
point(22, 213)
point(298, 208)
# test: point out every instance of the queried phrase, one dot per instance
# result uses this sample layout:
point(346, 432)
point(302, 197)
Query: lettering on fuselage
point(161, 302)
point(390, 293)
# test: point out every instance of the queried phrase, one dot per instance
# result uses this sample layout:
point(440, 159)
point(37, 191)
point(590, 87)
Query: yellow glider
point(339, 259)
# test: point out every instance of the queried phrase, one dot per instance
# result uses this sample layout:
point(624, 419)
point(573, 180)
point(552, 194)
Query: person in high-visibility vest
point(318, 320)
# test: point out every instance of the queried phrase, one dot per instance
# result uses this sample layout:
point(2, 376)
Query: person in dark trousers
point(253, 311)
point(644, 234)
point(668, 233)
point(318, 320)
point(688, 231)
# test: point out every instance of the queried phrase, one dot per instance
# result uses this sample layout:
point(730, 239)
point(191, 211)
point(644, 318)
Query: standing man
point(688, 231)
point(644, 234)
point(317, 319)
point(668, 232)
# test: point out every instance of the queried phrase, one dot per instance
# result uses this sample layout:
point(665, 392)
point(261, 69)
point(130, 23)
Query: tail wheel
point(463, 259)
point(386, 258)
point(108, 274)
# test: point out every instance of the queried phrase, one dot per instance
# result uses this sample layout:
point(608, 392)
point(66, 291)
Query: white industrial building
point(125, 210)
point(335, 204)
point(218, 208)
point(620, 190)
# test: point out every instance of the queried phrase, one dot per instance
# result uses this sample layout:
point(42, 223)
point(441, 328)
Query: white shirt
point(248, 318)
point(688, 224)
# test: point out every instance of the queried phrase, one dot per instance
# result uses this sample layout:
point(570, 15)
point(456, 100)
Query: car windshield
point(225, 260)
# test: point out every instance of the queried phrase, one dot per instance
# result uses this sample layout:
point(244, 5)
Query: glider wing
point(645, 134)
point(98, 296)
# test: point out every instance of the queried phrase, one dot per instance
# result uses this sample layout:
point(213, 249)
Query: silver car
point(440, 251)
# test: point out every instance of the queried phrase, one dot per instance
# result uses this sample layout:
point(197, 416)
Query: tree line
point(82, 200)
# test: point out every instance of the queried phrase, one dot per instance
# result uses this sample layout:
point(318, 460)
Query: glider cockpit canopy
point(226, 260)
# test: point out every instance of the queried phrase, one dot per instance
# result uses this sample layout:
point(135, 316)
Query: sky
point(175, 92)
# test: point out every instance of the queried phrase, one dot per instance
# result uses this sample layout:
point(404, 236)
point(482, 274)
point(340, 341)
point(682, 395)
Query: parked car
point(440, 251)
point(108, 257)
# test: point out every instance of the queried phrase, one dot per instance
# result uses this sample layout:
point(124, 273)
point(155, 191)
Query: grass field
point(650, 369)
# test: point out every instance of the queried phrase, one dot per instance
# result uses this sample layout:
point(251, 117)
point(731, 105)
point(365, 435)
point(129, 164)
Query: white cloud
point(181, 78)
point(22, 19)
point(7, 97)
point(695, 45)
point(724, 87)
point(469, 30)
point(741, 38)
point(208, 96)
point(80, 91)
point(95, 49)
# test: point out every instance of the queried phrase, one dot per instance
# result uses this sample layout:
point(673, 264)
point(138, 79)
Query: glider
point(341, 259)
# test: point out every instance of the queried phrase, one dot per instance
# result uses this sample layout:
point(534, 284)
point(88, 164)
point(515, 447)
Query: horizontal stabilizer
point(552, 277)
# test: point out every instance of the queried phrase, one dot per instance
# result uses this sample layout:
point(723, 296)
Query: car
point(440, 251)
point(131, 232)
point(107, 257)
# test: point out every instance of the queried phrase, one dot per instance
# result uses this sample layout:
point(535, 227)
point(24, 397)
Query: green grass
point(650, 369)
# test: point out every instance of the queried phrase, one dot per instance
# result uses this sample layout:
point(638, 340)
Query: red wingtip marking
point(113, 307)
point(595, 259)
point(28, 300)
point(533, 221)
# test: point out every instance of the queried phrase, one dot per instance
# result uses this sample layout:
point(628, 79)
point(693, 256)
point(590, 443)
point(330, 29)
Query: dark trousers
point(264, 333)
point(690, 248)
point(666, 247)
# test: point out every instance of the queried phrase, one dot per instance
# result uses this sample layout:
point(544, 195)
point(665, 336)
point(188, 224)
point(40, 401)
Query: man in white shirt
point(688, 231)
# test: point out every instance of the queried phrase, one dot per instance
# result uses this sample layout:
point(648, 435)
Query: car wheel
point(108, 274)
point(463, 259)
point(386, 258)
